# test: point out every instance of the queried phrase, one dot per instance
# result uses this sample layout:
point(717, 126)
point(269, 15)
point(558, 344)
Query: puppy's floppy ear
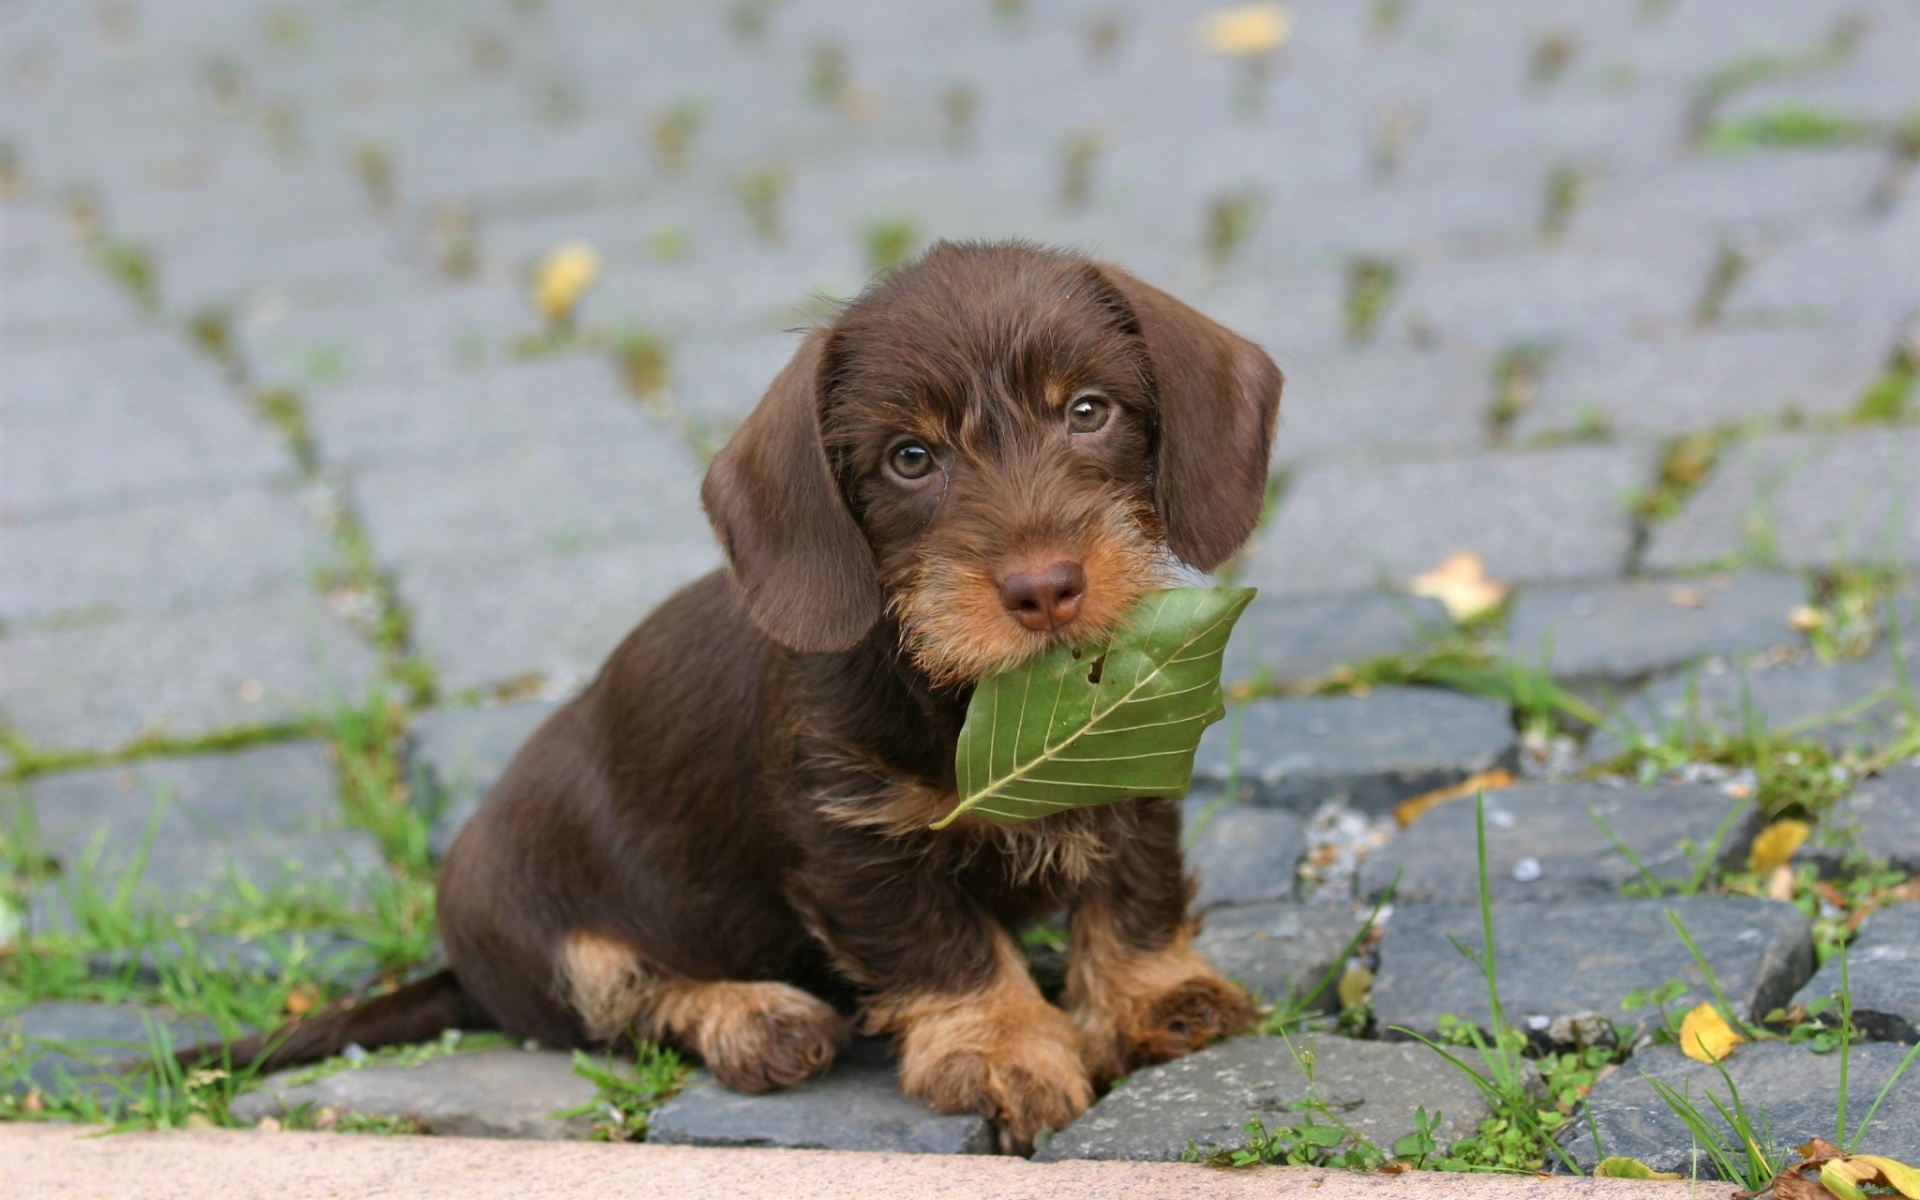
point(801, 563)
point(1219, 398)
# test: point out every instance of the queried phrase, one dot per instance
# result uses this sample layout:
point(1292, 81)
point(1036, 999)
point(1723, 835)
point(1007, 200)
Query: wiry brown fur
point(722, 843)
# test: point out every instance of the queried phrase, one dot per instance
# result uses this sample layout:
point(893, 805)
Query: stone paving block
point(1845, 704)
point(1630, 629)
point(72, 1042)
point(120, 421)
point(1542, 517)
point(555, 616)
point(1689, 382)
point(536, 498)
point(1545, 843)
point(1280, 949)
point(1381, 403)
point(1558, 963)
point(1368, 751)
point(314, 953)
point(722, 379)
point(456, 755)
point(1796, 1089)
point(157, 558)
point(856, 1106)
point(1882, 976)
point(276, 659)
point(514, 407)
point(499, 1093)
point(433, 333)
point(1207, 1098)
point(1243, 855)
point(1879, 818)
point(1858, 271)
point(1810, 499)
point(268, 815)
point(1295, 639)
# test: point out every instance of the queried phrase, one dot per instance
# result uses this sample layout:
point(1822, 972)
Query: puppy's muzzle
point(1045, 599)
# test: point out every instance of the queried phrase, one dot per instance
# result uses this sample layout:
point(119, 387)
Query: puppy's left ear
point(802, 565)
point(1219, 398)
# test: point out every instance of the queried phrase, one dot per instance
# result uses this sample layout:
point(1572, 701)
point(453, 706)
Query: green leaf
point(1629, 1168)
point(1094, 724)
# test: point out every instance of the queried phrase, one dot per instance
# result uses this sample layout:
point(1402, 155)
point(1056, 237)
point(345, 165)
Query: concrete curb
point(69, 1163)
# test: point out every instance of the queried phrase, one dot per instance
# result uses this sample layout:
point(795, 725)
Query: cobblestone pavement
point(303, 505)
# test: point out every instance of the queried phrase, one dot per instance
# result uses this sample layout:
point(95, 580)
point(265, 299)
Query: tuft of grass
point(1565, 185)
point(1552, 54)
point(1517, 374)
point(889, 242)
point(133, 267)
point(1754, 70)
point(761, 192)
point(827, 72)
point(1231, 217)
point(625, 1096)
point(285, 410)
point(1079, 158)
point(644, 364)
point(1685, 463)
point(1787, 127)
point(373, 165)
point(1730, 263)
point(1370, 285)
point(672, 132)
point(454, 241)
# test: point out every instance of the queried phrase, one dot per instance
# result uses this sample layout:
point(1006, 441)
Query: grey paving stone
point(1244, 855)
point(73, 1043)
point(267, 661)
point(1368, 751)
point(456, 755)
point(1798, 1090)
point(1879, 819)
point(1295, 639)
point(1810, 499)
point(158, 557)
point(1846, 704)
point(1882, 976)
point(1564, 961)
point(543, 497)
point(1691, 381)
point(429, 334)
point(556, 616)
point(112, 422)
point(1630, 629)
point(498, 1093)
point(1280, 949)
point(268, 816)
point(315, 953)
point(1545, 843)
point(855, 1106)
point(1549, 516)
point(1858, 271)
point(1206, 1099)
point(1381, 403)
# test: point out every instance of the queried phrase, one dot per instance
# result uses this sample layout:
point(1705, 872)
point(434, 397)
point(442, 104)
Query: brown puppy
point(722, 844)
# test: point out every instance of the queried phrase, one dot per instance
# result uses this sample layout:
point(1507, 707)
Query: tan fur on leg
point(1132, 1008)
point(1003, 1052)
point(754, 1037)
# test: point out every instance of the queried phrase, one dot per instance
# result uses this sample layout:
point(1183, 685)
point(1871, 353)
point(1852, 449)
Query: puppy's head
point(1001, 445)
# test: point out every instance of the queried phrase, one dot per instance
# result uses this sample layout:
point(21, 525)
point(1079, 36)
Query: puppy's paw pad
point(1028, 1085)
point(767, 1036)
point(1198, 1011)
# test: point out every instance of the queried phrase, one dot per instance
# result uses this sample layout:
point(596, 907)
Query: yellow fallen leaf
point(1774, 846)
point(1246, 30)
point(1356, 984)
point(1857, 1169)
point(1617, 1167)
point(1461, 584)
point(1705, 1035)
point(562, 278)
point(1413, 808)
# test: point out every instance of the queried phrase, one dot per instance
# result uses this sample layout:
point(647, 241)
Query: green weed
point(626, 1096)
point(1371, 283)
point(1787, 127)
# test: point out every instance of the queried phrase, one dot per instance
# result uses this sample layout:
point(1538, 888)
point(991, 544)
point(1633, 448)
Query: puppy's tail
point(418, 1012)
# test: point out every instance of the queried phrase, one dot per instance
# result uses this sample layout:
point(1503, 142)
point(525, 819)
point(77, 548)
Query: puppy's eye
point(910, 460)
point(1088, 413)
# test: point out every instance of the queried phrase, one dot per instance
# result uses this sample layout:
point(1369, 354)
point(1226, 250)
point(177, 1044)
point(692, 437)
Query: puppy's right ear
point(801, 563)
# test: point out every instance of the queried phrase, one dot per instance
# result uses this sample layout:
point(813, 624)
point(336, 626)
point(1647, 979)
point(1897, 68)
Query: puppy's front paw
point(1134, 1028)
point(1026, 1077)
point(759, 1037)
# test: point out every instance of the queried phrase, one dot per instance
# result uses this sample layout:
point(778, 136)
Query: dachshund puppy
point(722, 845)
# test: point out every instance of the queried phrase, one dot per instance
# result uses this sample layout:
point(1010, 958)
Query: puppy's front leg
point(948, 982)
point(1138, 991)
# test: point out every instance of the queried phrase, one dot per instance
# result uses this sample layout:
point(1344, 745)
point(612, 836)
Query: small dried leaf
point(1247, 30)
point(301, 999)
point(562, 279)
point(1774, 846)
point(1412, 809)
point(1885, 1172)
point(1791, 1185)
point(1461, 584)
point(1629, 1168)
point(1705, 1035)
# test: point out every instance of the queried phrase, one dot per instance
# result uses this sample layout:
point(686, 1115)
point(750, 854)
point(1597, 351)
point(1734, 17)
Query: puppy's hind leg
point(753, 1036)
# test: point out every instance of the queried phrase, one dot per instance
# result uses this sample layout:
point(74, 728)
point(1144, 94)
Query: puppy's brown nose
point(1045, 599)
